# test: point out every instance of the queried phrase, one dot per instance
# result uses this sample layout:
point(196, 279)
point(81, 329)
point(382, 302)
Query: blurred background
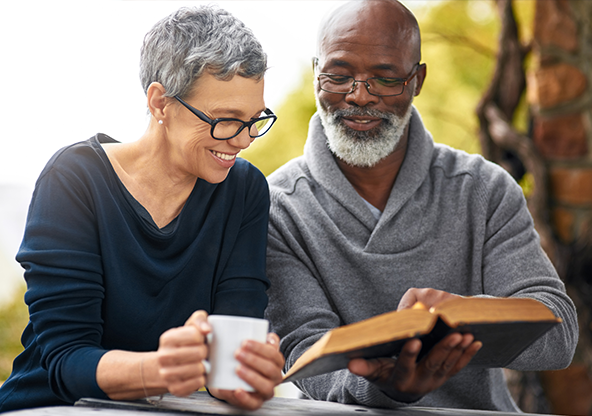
point(70, 70)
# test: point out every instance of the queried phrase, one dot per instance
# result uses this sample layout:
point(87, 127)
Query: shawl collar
point(326, 172)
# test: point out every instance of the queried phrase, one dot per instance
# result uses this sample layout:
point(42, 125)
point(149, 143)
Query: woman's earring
point(159, 121)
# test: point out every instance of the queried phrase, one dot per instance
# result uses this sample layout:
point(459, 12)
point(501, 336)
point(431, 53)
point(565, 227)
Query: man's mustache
point(369, 112)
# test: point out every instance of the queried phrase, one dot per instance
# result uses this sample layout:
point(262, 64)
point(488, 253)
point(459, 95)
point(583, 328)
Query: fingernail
point(207, 366)
point(239, 354)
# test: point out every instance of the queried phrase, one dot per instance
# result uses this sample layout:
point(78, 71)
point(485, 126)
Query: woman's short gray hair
point(180, 47)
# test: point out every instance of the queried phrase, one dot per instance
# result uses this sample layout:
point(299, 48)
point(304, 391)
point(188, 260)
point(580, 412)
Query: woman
point(125, 241)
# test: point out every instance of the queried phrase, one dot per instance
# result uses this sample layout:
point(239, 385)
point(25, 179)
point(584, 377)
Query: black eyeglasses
point(227, 128)
point(381, 86)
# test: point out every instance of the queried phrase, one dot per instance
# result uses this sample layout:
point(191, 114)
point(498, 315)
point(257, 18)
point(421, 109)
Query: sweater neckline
point(132, 203)
point(414, 169)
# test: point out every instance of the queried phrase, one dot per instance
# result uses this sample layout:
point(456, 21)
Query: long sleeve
point(63, 269)
point(514, 265)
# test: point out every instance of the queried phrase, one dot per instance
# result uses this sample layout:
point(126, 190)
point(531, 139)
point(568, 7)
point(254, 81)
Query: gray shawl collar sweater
point(453, 222)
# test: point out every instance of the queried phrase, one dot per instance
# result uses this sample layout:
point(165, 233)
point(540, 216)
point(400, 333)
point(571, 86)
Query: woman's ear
point(157, 101)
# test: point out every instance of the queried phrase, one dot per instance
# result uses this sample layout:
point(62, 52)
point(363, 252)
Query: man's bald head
point(384, 20)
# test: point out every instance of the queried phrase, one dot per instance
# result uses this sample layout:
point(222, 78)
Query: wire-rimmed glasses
point(380, 86)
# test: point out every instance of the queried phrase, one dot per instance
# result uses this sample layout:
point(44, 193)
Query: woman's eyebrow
point(236, 113)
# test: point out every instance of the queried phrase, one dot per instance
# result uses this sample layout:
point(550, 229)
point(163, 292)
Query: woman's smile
point(225, 160)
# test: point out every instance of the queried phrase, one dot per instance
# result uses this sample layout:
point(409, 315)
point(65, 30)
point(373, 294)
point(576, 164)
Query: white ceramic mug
point(228, 333)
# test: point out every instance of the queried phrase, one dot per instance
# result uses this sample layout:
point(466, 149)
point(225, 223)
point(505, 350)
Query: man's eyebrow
point(381, 67)
point(385, 67)
point(339, 62)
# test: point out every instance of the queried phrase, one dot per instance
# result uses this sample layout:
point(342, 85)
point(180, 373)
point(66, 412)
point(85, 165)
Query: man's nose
point(360, 96)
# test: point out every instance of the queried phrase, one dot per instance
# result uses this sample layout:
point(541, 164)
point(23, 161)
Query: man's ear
point(156, 100)
point(421, 75)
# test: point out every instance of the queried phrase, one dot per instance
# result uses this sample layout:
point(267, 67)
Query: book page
point(476, 309)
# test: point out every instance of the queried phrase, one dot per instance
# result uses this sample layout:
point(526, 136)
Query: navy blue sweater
point(101, 275)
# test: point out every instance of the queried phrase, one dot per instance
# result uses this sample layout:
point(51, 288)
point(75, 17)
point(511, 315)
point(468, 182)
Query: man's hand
point(406, 380)
point(261, 366)
point(428, 297)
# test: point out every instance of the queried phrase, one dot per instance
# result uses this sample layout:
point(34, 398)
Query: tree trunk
point(557, 153)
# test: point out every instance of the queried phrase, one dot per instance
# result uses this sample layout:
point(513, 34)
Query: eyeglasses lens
point(227, 129)
point(344, 85)
point(230, 128)
point(260, 127)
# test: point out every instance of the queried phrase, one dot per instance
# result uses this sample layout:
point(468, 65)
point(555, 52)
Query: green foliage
point(13, 319)
point(459, 47)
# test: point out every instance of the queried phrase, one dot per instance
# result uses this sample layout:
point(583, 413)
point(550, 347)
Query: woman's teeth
point(224, 156)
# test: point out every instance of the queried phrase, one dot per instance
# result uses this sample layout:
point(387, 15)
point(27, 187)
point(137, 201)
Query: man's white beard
point(363, 148)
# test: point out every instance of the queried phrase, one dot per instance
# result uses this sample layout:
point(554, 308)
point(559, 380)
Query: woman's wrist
point(125, 375)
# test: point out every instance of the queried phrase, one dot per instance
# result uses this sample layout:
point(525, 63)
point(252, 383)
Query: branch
point(508, 82)
point(462, 40)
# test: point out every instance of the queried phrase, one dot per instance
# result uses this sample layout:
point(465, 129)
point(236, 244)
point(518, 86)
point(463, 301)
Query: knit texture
point(453, 222)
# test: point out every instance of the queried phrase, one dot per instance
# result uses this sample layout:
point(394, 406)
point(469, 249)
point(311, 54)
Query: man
point(375, 209)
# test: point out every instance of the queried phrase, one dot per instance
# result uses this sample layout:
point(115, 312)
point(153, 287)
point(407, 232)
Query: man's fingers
point(406, 362)
point(450, 362)
point(429, 297)
point(408, 299)
point(433, 362)
point(450, 356)
point(467, 356)
point(363, 368)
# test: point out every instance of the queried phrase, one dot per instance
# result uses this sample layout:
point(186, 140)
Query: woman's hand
point(261, 366)
point(181, 353)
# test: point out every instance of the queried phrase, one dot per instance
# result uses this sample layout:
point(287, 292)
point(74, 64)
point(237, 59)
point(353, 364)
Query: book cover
point(505, 326)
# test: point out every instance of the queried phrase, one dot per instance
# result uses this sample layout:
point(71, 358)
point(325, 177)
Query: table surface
point(201, 403)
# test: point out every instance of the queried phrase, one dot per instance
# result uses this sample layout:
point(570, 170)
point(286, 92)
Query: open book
point(505, 326)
